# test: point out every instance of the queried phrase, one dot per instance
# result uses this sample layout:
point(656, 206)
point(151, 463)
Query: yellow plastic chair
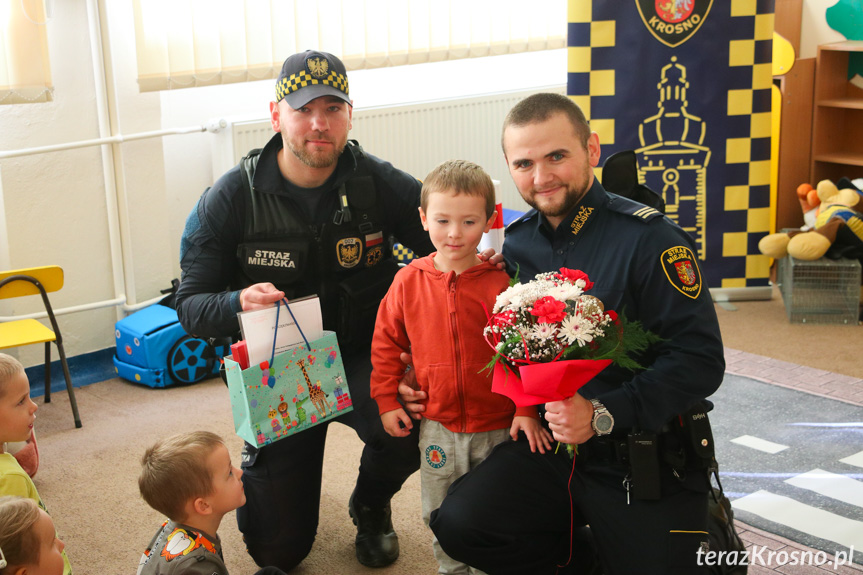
point(17, 333)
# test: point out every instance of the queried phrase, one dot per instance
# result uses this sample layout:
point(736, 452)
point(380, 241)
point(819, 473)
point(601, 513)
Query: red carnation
point(574, 275)
point(503, 319)
point(549, 310)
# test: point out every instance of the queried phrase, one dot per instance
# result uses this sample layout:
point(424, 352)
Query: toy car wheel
point(190, 360)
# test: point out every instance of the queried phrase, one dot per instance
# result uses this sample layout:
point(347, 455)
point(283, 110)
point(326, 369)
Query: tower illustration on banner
point(673, 159)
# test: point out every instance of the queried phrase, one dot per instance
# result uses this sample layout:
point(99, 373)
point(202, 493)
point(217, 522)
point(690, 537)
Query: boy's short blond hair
point(174, 472)
point(9, 367)
point(459, 177)
point(18, 539)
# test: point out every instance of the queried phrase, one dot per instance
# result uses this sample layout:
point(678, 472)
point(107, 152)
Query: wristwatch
point(602, 422)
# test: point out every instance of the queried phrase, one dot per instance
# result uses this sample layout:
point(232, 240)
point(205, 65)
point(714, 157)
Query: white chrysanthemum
point(503, 299)
point(576, 329)
point(543, 331)
point(511, 298)
point(565, 292)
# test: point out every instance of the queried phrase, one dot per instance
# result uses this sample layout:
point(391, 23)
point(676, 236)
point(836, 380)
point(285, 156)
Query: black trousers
point(512, 514)
point(283, 480)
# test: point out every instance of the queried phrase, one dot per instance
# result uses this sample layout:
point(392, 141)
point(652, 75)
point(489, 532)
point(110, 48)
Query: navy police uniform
point(333, 241)
point(516, 512)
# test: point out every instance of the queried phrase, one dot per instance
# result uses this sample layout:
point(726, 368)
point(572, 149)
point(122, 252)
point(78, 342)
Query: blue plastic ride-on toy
point(153, 349)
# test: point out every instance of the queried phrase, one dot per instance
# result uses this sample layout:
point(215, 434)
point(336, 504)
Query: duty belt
point(610, 450)
point(603, 450)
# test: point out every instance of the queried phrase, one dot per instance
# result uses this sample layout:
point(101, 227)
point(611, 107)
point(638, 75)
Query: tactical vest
point(339, 260)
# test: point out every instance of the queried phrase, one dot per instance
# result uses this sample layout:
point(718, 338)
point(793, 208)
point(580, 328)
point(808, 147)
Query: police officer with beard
point(640, 478)
point(310, 213)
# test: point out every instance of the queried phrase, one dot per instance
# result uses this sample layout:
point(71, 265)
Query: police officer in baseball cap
point(323, 203)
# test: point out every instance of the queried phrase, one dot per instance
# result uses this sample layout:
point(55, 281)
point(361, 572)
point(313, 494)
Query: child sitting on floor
point(17, 415)
point(28, 540)
point(189, 478)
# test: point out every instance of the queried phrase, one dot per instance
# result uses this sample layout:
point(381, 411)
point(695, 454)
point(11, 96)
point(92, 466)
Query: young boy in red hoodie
point(436, 310)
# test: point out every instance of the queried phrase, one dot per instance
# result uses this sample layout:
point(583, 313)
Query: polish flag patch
point(374, 239)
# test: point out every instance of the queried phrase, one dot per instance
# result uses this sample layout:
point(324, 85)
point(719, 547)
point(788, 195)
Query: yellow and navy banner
point(687, 85)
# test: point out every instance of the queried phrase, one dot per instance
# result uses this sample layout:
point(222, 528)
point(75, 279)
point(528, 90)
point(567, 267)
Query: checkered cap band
point(303, 78)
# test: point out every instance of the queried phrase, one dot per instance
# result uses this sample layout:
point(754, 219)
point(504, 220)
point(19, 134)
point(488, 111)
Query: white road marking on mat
point(759, 444)
point(856, 460)
point(789, 512)
point(832, 485)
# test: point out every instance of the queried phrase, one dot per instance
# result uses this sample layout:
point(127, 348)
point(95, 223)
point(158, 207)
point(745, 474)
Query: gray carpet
point(88, 480)
point(88, 476)
point(817, 433)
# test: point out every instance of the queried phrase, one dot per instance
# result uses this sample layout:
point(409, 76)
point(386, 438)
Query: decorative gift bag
point(294, 390)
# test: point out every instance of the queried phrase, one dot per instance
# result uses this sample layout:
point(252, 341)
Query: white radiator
point(414, 138)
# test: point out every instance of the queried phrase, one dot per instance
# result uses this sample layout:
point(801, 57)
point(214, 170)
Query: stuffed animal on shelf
point(837, 231)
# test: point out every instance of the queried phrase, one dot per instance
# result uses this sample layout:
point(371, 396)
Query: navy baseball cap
point(309, 75)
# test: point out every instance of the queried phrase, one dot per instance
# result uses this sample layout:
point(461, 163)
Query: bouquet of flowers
point(550, 338)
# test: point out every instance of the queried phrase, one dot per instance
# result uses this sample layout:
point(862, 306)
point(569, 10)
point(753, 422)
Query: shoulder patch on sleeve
point(635, 209)
point(681, 269)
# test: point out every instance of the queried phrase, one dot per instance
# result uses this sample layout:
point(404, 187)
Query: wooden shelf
point(850, 159)
point(846, 46)
point(837, 124)
point(852, 103)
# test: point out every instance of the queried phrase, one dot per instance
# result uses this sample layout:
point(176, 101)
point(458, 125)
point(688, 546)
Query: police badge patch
point(673, 22)
point(349, 251)
point(682, 270)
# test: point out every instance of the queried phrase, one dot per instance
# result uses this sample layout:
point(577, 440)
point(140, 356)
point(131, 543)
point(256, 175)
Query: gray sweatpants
point(444, 457)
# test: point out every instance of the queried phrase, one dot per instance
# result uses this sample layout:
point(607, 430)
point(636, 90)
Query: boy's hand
point(391, 421)
point(409, 392)
point(537, 435)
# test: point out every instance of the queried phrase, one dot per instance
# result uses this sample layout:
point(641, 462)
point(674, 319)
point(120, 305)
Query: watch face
point(603, 423)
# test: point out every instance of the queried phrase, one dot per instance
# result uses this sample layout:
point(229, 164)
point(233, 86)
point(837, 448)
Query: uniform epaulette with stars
point(632, 208)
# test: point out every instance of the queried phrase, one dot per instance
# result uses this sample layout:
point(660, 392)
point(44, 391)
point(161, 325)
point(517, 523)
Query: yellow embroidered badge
point(681, 268)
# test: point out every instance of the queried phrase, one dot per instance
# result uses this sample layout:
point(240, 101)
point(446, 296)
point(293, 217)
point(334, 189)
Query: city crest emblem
point(673, 22)
point(349, 251)
point(685, 272)
point(681, 269)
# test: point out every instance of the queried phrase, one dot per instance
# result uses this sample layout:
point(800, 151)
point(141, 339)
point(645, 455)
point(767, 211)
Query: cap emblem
point(316, 70)
point(318, 67)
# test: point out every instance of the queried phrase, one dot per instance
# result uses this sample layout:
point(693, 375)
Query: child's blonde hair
point(174, 472)
point(9, 367)
point(18, 539)
point(459, 177)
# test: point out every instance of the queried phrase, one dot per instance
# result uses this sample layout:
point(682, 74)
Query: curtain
point(25, 72)
point(185, 43)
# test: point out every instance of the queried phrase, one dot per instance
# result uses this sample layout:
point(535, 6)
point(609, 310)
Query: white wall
point(53, 206)
point(54, 203)
point(814, 29)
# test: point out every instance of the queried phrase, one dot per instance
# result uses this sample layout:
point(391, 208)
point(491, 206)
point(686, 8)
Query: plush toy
point(837, 231)
point(27, 454)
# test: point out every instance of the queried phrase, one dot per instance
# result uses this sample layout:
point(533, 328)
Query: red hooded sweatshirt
point(439, 318)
